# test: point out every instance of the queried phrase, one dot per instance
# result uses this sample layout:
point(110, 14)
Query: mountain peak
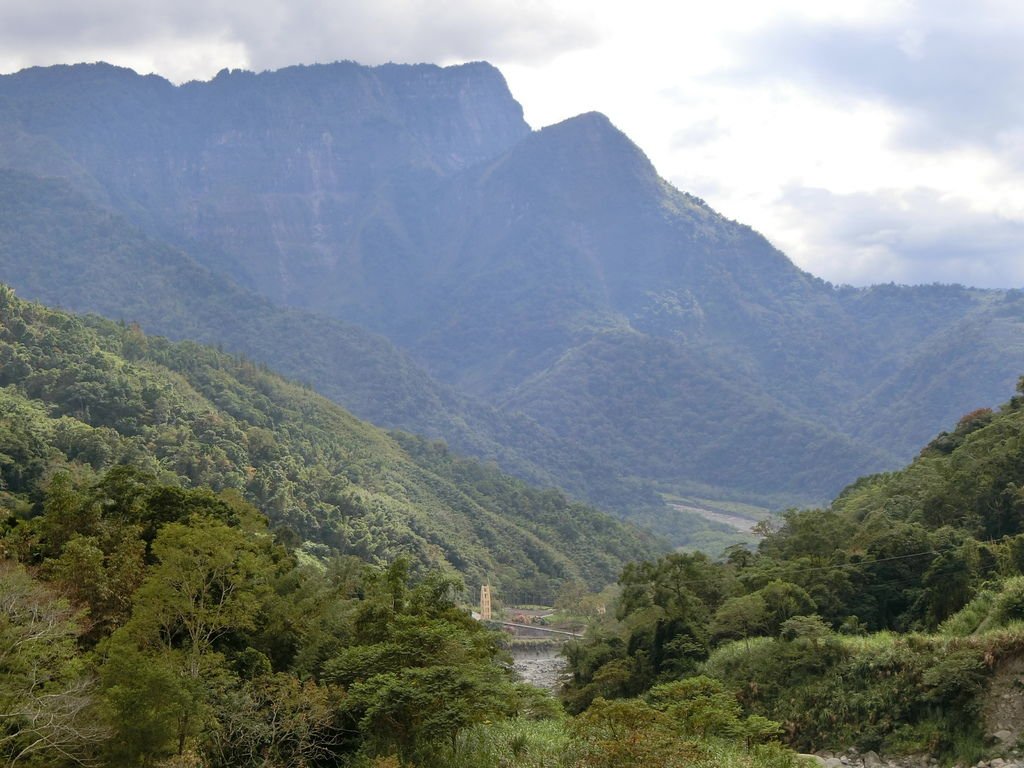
point(594, 124)
point(577, 159)
point(595, 118)
point(541, 269)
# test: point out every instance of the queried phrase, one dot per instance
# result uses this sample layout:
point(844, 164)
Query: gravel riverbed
point(855, 759)
point(541, 668)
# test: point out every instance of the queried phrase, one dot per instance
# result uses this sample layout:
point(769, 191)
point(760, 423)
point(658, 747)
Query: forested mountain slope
point(282, 178)
point(551, 272)
point(59, 248)
point(89, 394)
point(891, 620)
point(143, 623)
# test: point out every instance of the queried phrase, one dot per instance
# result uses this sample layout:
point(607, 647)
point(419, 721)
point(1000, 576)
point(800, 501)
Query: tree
point(46, 699)
point(163, 664)
point(420, 711)
point(741, 617)
point(100, 573)
point(809, 629)
point(151, 707)
point(207, 582)
point(276, 721)
point(947, 585)
point(784, 600)
point(700, 706)
point(419, 670)
point(571, 596)
point(629, 732)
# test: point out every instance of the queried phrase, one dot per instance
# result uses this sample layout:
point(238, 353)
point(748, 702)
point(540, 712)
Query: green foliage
point(613, 734)
point(85, 395)
point(783, 601)
point(631, 732)
point(207, 582)
point(47, 701)
point(992, 608)
point(662, 633)
point(152, 709)
point(274, 720)
point(417, 711)
point(228, 651)
point(419, 670)
point(517, 742)
point(128, 463)
point(812, 630)
point(54, 239)
point(740, 617)
point(627, 732)
point(831, 693)
point(700, 706)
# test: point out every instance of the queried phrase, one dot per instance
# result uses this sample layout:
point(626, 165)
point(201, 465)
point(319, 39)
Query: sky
point(870, 141)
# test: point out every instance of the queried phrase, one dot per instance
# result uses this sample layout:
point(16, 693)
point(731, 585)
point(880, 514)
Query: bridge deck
point(529, 627)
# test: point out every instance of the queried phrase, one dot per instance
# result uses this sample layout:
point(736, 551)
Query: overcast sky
point(871, 141)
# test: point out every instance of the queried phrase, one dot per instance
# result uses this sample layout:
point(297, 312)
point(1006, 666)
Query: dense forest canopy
point(878, 621)
point(202, 564)
point(182, 583)
point(87, 394)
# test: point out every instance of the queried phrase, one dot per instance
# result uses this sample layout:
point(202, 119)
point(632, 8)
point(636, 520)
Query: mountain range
point(402, 240)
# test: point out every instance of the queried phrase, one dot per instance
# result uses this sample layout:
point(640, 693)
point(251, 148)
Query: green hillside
point(88, 394)
point(146, 624)
point(54, 241)
point(891, 620)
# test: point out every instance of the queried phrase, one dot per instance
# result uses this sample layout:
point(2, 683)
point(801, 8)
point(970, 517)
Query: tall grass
point(517, 743)
point(552, 744)
point(989, 610)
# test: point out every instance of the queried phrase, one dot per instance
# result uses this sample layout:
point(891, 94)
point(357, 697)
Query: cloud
point(920, 179)
point(268, 34)
point(416, 30)
point(699, 133)
point(904, 236)
point(952, 70)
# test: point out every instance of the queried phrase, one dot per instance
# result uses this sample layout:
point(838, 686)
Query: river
point(542, 667)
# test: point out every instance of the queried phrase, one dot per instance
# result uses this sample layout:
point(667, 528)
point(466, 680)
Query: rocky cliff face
point(285, 179)
point(551, 272)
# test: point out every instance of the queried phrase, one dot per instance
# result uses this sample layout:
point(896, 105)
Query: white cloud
point(951, 70)
point(190, 38)
point(905, 236)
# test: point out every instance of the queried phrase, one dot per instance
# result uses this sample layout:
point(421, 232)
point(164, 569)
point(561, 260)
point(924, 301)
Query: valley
point(593, 329)
point(293, 361)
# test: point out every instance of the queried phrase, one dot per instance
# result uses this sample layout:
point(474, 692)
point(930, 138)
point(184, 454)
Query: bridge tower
point(485, 602)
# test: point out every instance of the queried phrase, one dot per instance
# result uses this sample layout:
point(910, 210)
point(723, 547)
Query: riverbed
point(542, 667)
